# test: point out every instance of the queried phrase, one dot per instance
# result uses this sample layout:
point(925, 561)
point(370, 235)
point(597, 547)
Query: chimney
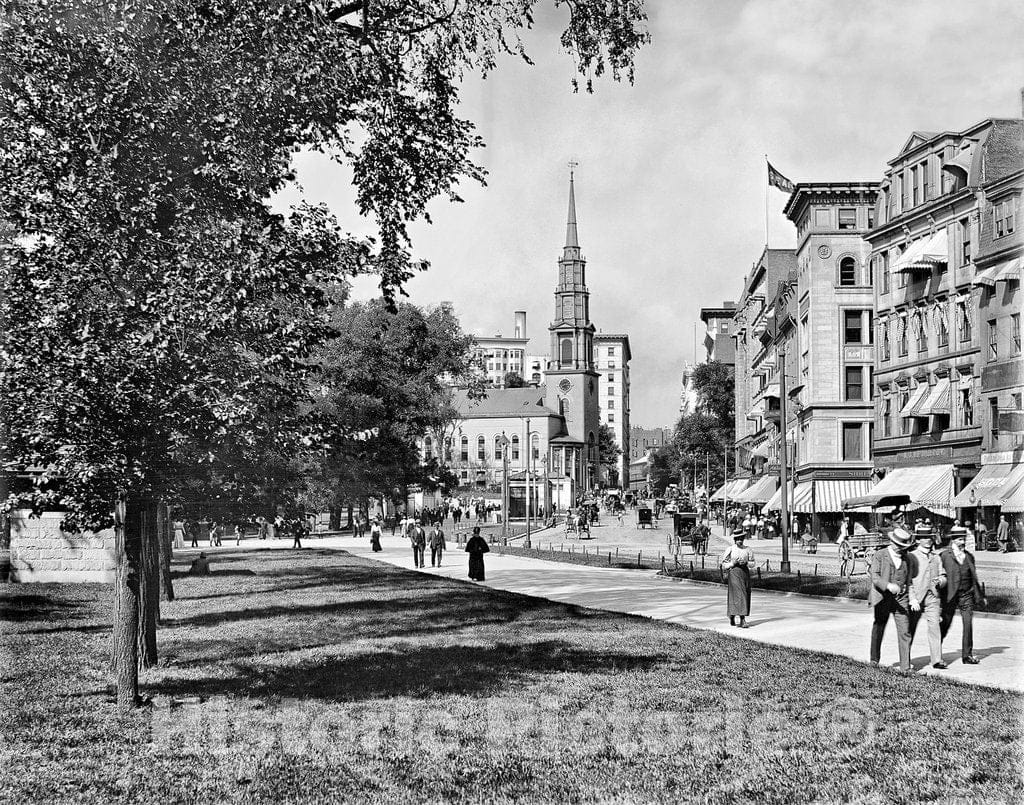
point(520, 324)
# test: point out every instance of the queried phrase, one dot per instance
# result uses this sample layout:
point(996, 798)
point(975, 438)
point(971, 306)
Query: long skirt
point(375, 543)
point(476, 566)
point(739, 591)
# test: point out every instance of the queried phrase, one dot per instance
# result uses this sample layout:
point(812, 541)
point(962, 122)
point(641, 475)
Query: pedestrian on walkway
point(192, 530)
point(437, 545)
point(962, 592)
point(238, 534)
point(418, 538)
point(892, 571)
point(297, 529)
point(925, 592)
point(476, 547)
point(1003, 534)
point(736, 562)
point(376, 532)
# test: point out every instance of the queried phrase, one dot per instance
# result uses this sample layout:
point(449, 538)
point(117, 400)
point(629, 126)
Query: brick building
point(612, 357)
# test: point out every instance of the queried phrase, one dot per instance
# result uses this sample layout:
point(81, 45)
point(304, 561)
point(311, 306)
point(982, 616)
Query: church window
point(535, 447)
point(847, 271)
point(464, 452)
point(497, 447)
point(481, 448)
point(515, 448)
point(565, 351)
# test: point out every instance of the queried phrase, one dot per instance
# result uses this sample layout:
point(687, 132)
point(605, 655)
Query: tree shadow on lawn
point(16, 607)
point(415, 671)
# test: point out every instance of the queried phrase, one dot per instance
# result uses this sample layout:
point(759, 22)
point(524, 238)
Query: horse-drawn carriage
point(862, 545)
point(645, 518)
point(687, 530)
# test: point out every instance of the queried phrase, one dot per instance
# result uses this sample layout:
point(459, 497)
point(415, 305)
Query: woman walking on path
point(736, 561)
point(476, 547)
point(375, 534)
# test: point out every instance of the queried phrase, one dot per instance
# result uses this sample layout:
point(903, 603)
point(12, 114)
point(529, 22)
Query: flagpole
point(766, 184)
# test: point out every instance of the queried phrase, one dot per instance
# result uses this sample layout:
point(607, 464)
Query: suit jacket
point(954, 571)
point(929, 571)
point(882, 572)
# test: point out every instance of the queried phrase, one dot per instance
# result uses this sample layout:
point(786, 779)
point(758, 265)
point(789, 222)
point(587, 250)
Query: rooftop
point(521, 402)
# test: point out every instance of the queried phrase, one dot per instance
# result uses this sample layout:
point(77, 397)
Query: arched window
point(481, 448)
point(565, 352)
point(515, 448)
point(428, 447)
point(535, 447)
point(464, 453)
point(497, 448)
point(847, 271)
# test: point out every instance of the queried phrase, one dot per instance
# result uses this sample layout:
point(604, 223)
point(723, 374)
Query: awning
point(760, 492)
point(929, 487)
point(799, 499)
point(918, 396)
point(760, 450)
point(772, 390)
point(937, 402)
point(829, 495)
point(1013, 500)
point(962, 160)
point(733, 487)
point(999, 272)
point(923, 254)
point(989, 486)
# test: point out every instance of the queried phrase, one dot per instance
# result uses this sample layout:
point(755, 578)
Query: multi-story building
point(756, 361)
point(612, 357)
point(643, 440)
point(718, 336)
point(501, 355)
point(823, 329)
point(932, 345)
point(998, 263)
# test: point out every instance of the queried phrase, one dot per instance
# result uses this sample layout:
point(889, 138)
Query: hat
point(739, 533)
point(958, 532)
point(923, 529)
point(901, 538)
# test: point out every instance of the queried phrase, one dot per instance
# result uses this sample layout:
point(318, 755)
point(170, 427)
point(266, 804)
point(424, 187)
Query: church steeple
point(571, 330)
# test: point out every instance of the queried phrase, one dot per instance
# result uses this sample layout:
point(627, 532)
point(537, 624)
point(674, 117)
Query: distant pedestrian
point(892, 571)
point(192, 530)
point(476, 547)
point(418, 538)
point(962, 592)
point(926, 593)
point(297, 529)
point(736, 562)
point(376, 532)
point(437, 545)
point(1003, 534)
point(238, 534)
point(265, 527)
point(844, 531)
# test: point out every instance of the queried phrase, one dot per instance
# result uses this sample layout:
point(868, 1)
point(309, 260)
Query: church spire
point(571, 240)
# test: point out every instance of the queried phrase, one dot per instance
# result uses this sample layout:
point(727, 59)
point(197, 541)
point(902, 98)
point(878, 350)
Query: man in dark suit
point(962, 591)
point(892, 571)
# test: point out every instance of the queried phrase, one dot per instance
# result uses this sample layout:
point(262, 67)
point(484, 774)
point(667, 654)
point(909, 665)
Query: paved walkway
point(835, 627)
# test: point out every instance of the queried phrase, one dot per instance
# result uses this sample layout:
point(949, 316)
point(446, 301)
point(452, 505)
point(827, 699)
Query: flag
point(776, 179)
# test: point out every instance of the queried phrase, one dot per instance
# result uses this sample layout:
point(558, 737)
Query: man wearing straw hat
point(925, 591)
point(892, 571)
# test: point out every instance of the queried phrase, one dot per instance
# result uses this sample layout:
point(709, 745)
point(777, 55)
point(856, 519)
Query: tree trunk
point(164, 533)
point(149, 608)
point(126, 609)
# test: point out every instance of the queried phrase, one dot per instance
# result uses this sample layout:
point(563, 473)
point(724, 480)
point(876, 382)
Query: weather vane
point(573, 164)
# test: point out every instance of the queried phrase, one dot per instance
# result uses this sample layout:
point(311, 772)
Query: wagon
point(644, 518)
point(863, 546)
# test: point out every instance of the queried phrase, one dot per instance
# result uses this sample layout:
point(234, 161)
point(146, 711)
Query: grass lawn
point(314, 675)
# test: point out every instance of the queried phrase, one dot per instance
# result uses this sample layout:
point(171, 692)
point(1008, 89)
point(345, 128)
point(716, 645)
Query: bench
point(859, 546)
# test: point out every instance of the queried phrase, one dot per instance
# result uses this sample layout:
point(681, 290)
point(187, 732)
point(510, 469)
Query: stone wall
point(42, 552)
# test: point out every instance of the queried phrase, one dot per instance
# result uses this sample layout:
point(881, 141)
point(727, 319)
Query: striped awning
point(990, 485)
point(1013, 499)
point(733, 487)
point(760, 491)
point(799, 499)
point(999, 272)
point(916, 398)
point(929, 487)
point(937, 401)
point(829, 495)
point(923, 254)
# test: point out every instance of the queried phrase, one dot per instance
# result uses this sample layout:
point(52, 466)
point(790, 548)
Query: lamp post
point(529, 449)
point(504, 489)
point(784, 566)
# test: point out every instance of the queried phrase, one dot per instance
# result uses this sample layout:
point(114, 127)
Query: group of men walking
point(912, 581)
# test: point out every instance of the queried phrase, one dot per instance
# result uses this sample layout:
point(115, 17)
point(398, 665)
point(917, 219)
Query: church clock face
point(565, 385)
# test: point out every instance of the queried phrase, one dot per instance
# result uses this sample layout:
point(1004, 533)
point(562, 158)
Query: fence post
point(663, 564)
point(638, 562)
point(609, 558)
point(759, 574)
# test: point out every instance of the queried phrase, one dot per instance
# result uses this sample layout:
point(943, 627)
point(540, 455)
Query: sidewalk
point(834, 627)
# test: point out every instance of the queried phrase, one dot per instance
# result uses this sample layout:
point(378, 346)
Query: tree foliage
point(608, 450)
point(715, 385)
point(662, 469)
point(513, 380)
point(158, 319)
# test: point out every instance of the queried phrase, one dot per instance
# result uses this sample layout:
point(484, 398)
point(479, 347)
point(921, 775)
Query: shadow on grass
point(418, 672)
point(17, 608)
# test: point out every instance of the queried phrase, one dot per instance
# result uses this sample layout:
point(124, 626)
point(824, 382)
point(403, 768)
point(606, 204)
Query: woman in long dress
point(736, 562)
point(476, 547)
point(376, 532)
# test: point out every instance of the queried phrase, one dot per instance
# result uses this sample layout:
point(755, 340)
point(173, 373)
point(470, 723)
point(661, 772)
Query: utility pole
point(783, 479)
point(725, 494)
point(504, 489)
point(529, 450)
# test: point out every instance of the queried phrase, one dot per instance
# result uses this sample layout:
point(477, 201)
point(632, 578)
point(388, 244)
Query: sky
point(671, 180)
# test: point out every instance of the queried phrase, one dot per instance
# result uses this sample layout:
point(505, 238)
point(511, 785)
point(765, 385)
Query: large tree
point(608, 452)
point(715, 385)
point(157, 318)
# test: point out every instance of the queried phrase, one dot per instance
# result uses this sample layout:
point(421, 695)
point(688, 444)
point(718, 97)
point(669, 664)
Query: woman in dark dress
point(736, 562)
point(476, 547)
